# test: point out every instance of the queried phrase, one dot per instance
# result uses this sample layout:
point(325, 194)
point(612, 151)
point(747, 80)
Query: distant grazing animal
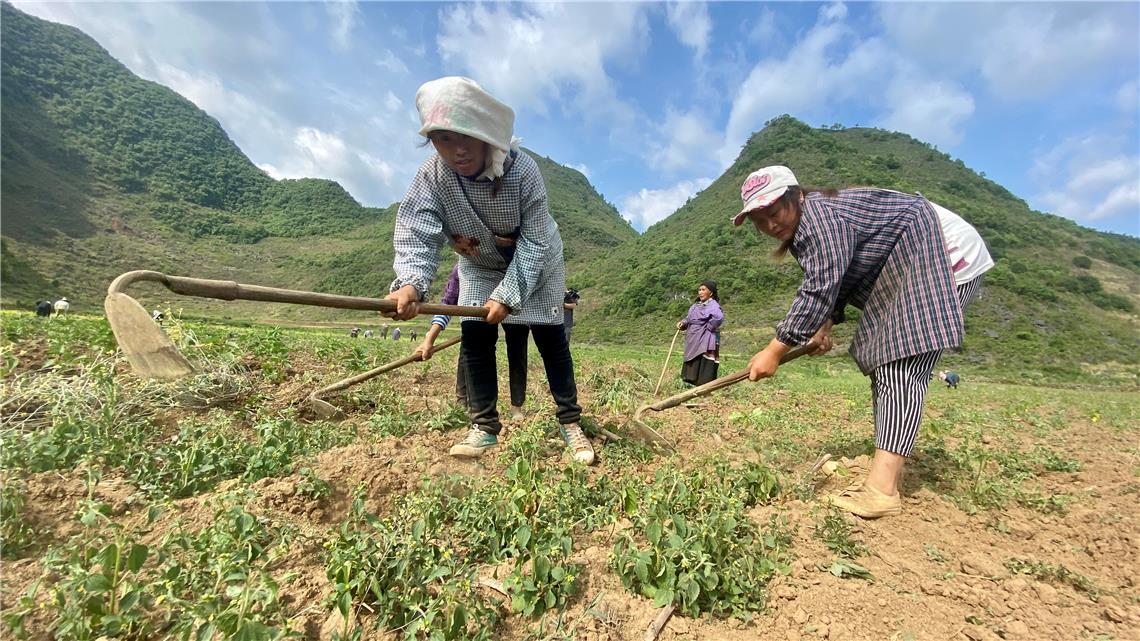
point(950, 378)
point(43, 308)
point(61, 306)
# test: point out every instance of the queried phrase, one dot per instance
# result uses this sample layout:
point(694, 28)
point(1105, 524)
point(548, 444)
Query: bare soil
point(939, 572)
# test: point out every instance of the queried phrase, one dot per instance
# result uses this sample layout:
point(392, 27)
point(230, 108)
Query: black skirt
point(699, 371)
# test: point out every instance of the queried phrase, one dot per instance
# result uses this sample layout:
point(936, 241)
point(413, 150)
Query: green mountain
point(103, 172)
point(1059, 295)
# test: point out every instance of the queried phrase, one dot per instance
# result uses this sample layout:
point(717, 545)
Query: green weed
point(1050, 573)
point(692, 545)
point(16, 534)
point(835, 532)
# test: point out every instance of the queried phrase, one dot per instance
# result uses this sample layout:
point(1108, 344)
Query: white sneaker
point(583, 451)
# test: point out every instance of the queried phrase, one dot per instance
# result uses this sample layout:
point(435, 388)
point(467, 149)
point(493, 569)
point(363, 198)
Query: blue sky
point(653, 101)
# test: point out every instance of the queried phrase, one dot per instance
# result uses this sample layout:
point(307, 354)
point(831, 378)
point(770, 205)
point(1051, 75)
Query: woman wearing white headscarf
point(484, 197)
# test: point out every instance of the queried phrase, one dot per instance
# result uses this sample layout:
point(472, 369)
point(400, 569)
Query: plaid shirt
point(882, 252)
point(443, 207)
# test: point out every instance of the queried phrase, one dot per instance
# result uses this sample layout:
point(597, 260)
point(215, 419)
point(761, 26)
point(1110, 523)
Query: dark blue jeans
point(478, 345)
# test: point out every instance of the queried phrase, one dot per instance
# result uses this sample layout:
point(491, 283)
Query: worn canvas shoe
point(867, 502)
point(517, 413)
point(583, 451)
point(475, 444)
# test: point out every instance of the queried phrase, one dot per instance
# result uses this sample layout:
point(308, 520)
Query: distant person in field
point(61, 306)
point(516, 338)
point(43, 308)
point(354, 332)
point(485, 197)
point(702, 336)
point(569, 304)
point(367, 333)
point(157, 316)
point(950, 378)
point(395, 334)
point(412, 334)
point(909, 265)
point(384, 332)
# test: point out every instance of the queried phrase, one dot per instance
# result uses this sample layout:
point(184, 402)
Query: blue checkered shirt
point(443, 207)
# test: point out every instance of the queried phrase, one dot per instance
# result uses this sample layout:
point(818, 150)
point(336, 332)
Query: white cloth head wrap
point(459, 104)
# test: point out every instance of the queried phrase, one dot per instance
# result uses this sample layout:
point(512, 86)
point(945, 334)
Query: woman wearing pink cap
point(909, 265)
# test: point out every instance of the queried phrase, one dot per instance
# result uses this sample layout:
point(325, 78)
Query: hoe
point(650, 436)
point(327, 410)
point(153, 355)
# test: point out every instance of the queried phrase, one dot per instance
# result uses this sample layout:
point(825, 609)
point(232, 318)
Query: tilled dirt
point(940, 573)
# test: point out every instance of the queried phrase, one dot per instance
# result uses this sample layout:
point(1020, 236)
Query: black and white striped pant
point(898, 390)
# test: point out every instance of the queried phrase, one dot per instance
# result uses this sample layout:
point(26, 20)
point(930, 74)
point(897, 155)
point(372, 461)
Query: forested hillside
point(1059, 294)
point(105, 172)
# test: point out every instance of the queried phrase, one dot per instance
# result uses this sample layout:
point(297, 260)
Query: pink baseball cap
point(762, 188)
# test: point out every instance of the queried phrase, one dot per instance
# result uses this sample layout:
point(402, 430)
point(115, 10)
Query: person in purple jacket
point(702, 336)
point(516, 339)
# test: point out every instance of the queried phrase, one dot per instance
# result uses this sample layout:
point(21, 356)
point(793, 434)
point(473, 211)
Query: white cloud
point(684, 140)
point(391, 62)
point(1024, 51)
point(344, 14)
point(648, 206)
point(236, 62)
point(535, 56)
point(392, 103)
point(317, 153)
point(691, 22)
point(580, 168)
point(834, 12)
point(1128, 97)
point(764, 29)
point(1090, 178)
point(931, 111)
point(824, 68)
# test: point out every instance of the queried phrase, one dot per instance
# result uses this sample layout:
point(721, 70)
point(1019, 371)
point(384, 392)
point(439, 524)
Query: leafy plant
point(1044, 571)
point(692, 545)
point(835, 532)
point(16, 534)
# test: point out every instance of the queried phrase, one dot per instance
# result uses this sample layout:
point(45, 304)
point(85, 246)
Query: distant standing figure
point(395, 333)
point(702, 336)
point(413, 335)
point(43, 308)
point(61, 306)
point(355, 332)
point(950, 378)
point(569, 304)
point(367, 333)
point(384, 332)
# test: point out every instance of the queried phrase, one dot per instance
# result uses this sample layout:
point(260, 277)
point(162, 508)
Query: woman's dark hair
point(791, 198)
point(711, 285)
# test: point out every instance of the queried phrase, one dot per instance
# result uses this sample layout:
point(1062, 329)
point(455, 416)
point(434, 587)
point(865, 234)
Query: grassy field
point(217, 507)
